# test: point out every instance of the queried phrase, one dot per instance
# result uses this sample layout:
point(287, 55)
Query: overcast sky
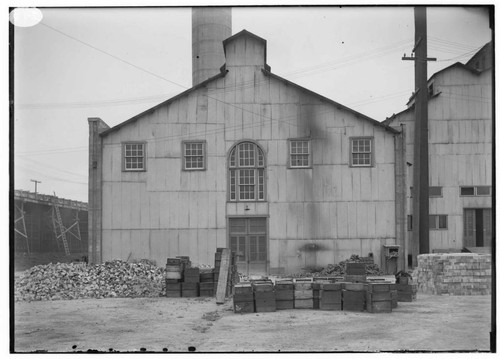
point(115, 63)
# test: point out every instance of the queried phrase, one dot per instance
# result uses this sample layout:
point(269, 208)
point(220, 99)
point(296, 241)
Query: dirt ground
point(432, 323)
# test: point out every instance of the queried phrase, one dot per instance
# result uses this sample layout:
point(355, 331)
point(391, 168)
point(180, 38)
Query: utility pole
point(420, 238)
point(36, 182)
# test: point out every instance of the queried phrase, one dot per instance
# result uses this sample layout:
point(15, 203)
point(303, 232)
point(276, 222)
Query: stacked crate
point(303, 293)
point(406, 292)
point(264, 296)
point(379, 298)
point(190, 286)
point(394, 295)
point(330, 296)
point(207, 283)
point(355, 272)
point(173, 277)
point(353, 297)
point(284, 294)
point(316, 287)
point(243, 300)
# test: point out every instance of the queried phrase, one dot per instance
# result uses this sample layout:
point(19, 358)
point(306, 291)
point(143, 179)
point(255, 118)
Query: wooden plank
point(220, 296)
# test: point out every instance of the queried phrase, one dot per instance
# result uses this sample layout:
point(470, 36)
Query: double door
point(248, 238)
point(477, 227)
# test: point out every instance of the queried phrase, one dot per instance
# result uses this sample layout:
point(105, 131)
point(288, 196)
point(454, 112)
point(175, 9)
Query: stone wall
point(454, 273)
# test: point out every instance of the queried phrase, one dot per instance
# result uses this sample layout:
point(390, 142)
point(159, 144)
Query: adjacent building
point(460, 154)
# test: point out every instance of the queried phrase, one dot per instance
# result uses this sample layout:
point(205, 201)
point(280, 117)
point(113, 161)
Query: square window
point(435, 191)
point(299, 154)
point(361, 152)
point(134, 156)
point(483, 191)
point(467, 191)
point(194, 155)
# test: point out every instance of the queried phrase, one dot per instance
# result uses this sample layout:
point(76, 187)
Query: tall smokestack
point(211, 26)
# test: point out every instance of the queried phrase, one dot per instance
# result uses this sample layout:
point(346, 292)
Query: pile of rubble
point(79, 280)
point(335, 270)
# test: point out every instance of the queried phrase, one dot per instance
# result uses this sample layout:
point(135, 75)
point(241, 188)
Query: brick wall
point(454, 273)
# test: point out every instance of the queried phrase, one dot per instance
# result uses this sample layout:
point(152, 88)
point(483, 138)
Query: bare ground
point(437, 323)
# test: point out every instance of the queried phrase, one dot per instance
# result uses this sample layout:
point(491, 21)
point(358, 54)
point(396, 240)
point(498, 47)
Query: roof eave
point(152, 109)
point(358, 114)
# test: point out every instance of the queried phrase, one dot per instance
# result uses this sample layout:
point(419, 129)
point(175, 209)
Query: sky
point(114, 63)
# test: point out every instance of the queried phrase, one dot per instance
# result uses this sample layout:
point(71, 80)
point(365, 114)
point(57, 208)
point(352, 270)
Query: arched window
point(246, 172)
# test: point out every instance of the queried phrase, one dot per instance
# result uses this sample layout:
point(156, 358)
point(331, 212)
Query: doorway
point(477, 227)
point(248, 239)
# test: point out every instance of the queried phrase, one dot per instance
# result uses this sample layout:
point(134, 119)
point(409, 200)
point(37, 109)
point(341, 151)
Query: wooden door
point(248, 238)
point(477, 227)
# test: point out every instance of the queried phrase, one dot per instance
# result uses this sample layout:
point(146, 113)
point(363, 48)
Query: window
point(438, 221)
point(299, 154)
point(483, 191)
point(246, 173)
point(134, 155)
point(434, 191)
point(475, 191)
point(194, 155)
point(361, 152)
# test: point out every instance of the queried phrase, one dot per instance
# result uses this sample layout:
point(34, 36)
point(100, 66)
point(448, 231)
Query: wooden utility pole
point(420, 238)
point(36, 182)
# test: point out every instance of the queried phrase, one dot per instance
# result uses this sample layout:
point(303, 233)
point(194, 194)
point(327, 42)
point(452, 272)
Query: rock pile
point(335, 270)
point(79, 280)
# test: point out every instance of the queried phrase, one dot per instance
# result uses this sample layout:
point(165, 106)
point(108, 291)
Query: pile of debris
point(79, 280)
point(335, 270)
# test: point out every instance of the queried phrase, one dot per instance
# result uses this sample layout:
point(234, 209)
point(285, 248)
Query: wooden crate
point(331, 296)
point(353, 268)
point(353, 300)
point(378, 302)
point(243, 307)
point(355, 278)
point(303, 303)
point(394, 298)
point(284, 304)
point(173, 294)
point(330, 306)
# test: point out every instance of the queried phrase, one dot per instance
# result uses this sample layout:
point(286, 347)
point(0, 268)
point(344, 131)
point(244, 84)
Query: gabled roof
point(152, 109)
point(357, 114)
point(245, 33)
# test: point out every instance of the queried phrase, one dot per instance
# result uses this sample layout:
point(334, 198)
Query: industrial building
point(285, 177)
point(248, 160)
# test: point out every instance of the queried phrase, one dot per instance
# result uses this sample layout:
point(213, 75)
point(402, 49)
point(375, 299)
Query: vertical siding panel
point(334, 219)
point(342, 220)
point(352, 220)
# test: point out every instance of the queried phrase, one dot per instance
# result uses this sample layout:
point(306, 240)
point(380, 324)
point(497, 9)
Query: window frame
point(475, 194)
point(124, 156)
point(438, 222)
point(352, 153)
point(184, 156)
point(260, 181)
point(430, 196)
point(309, 153)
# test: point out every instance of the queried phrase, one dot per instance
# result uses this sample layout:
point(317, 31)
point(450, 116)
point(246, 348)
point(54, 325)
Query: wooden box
point(303, 303)
point(353, 300)
point(284, 304)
